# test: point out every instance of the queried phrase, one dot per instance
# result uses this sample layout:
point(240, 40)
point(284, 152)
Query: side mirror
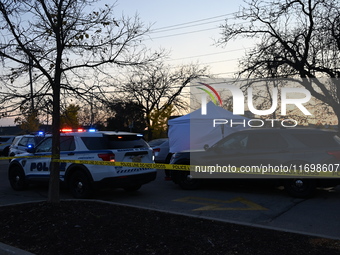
point(206, 147)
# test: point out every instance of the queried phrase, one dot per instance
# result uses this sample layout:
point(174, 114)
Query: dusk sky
point(188, 29)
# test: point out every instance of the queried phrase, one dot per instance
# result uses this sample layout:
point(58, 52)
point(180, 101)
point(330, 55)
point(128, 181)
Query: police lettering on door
point(43, 166)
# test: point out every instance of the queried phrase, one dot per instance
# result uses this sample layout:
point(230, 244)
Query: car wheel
point(300, 188)
point(17, 178)
point(132, 188)
point(80, 185)
point(185, 181)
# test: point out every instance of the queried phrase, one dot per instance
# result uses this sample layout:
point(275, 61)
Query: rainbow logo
point(212, 93)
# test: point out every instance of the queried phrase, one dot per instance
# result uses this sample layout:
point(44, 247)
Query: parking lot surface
point(250, 204)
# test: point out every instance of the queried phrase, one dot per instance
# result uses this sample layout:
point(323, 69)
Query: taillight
point(107, 156)
point(335, 154)
point(156, 151)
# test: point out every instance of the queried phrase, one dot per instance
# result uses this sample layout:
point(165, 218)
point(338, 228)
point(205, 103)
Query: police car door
point(37, 167)
point(67, 151)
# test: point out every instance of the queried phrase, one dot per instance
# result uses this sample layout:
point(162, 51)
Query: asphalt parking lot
point(255, 204)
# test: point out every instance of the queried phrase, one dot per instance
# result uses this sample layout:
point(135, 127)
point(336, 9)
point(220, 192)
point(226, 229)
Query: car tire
point(185, 181)
point(79, 185)
point(300, 188)
point(17, 178)
point(132, 188)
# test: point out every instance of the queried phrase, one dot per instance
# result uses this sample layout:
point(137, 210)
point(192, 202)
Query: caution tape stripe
point(237, 172)
point(127, 164)
point(9, 158)
point(111, 163)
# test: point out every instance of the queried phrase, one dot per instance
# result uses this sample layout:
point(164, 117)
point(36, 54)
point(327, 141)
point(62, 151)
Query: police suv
point(80, 177)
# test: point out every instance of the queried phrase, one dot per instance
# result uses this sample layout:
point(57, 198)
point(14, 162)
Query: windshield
point(114, 142)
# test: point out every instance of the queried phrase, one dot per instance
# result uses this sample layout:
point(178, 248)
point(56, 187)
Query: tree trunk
point(54, 189)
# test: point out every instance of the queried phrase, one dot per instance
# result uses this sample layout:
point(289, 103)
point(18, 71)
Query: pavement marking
point(235, 204)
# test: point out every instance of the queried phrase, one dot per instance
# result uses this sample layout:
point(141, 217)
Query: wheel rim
point(79, 187)
point(16, 179)
point(187, 179)
point(298, 185)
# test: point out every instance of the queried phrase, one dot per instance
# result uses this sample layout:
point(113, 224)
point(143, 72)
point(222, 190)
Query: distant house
point(11, 130)
point(16, 130)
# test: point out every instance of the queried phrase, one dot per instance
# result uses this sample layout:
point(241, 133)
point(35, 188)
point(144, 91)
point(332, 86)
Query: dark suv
point(300, 159)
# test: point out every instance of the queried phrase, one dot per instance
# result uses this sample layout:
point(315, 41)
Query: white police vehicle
point(83, 178)
point(20, 143)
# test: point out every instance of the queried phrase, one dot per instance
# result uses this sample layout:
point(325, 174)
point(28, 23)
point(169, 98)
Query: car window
point(317, 140)
point(37, 139)
point(15, 141)
point(235, 142)
point(114, 142)
point(30, 140)
point(23, 141)
point(45, 146)
point(266, 141)
point(66, 144)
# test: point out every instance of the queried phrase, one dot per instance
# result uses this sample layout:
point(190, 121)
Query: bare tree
point(297, 39)
point(156, 87)
point(93, 113)
point(128, 116)
point(64, 42)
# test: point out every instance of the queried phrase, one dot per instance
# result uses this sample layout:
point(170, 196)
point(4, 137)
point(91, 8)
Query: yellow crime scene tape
point(318, 171)
point(111, 163)
point(194, 168)
point(127, 164)
point(9, 158)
